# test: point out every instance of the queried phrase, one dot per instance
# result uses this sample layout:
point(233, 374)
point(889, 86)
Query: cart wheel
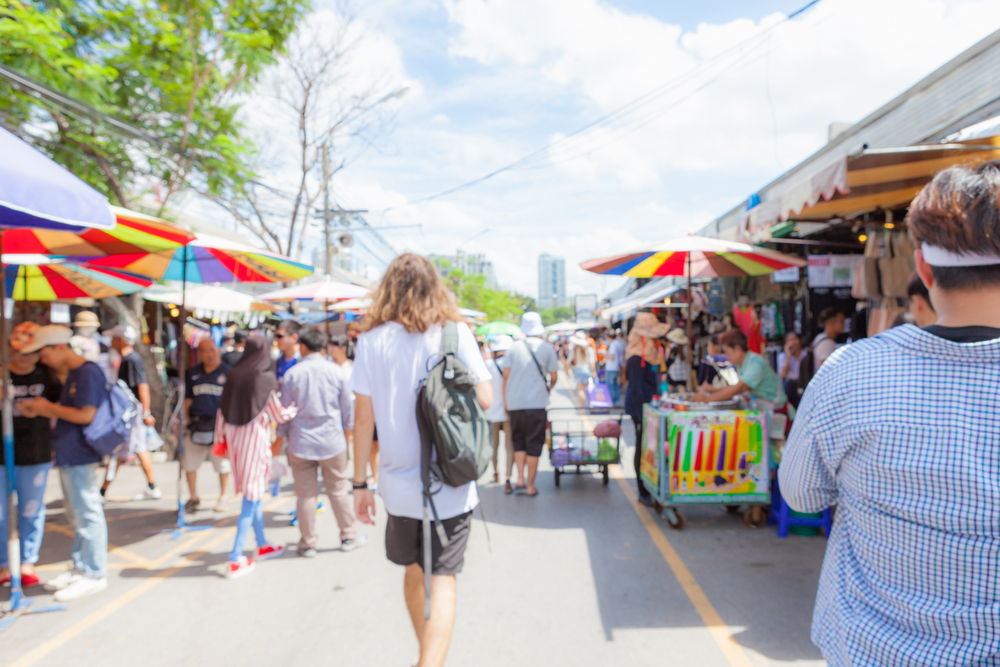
point(557, 476)
point(732, 509)
point(674, 518)
point(755, 517)
point(605, 470)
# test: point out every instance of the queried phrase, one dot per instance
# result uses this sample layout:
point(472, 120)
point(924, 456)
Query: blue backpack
point(112, 422)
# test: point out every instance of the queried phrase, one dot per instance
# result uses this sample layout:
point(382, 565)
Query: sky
point(742, 95)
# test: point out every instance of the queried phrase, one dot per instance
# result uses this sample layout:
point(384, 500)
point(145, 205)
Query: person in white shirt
point(613, 362)
point(497, 416)
point(832, 321)
point(402, 335)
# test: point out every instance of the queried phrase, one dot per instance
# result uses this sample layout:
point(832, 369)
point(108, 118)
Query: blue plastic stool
point(781, 514)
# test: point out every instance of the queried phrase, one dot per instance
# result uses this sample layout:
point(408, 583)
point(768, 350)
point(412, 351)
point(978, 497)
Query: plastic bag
point(153, 439)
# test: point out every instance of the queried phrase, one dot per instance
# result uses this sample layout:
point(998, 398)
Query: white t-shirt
point(389, 364)
point(823, 346)
point(496, 413)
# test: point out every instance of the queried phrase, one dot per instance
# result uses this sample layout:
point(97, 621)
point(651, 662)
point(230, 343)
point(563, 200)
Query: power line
point(613, 116)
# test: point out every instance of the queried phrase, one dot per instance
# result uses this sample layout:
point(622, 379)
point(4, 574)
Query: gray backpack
point(454, 427)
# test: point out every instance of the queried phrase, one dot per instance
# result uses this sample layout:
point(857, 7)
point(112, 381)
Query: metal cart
point(692, 455)
point(571, 438)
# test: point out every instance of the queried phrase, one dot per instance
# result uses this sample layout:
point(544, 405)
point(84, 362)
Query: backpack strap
point(449, 348)
point(537, 365)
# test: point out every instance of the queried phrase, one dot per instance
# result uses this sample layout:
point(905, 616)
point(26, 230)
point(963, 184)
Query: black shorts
point(404, 543)
point(527, 430)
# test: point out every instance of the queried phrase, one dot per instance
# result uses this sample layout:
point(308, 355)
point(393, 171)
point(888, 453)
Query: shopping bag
point(866, 279)
point(220, 449)
point(598, 395)
point(894, 270)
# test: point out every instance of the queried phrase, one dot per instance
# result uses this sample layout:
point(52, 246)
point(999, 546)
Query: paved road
point(579, 575)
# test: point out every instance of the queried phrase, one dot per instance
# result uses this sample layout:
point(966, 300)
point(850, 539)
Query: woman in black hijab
point(249, 405)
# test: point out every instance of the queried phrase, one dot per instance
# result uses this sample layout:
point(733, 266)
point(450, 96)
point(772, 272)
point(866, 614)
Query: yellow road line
point(50, 645)
point(709, 616)
point(113, 550)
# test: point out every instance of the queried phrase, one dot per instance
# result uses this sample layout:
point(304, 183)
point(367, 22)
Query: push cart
point(573, 444)
point(692, 455)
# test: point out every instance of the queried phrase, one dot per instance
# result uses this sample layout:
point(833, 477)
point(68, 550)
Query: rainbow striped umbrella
point(67, 280)
point(133, 234)
point(209, 259)
point(694, 257)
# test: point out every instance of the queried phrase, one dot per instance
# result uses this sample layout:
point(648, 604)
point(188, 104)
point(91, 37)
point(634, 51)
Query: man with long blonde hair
point(401, 340)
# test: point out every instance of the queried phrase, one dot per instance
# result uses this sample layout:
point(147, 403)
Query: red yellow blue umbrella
point(68, 280)
point(694, 257)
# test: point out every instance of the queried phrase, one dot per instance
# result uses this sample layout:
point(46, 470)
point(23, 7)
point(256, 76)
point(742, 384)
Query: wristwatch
point(362, 485)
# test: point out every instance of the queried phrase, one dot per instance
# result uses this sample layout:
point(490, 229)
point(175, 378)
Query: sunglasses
point(278, 336)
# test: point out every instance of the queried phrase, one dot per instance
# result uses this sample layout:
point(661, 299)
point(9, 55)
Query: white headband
point(938, 256)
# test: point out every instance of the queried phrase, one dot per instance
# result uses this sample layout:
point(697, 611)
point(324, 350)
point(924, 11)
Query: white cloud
point(515, 74)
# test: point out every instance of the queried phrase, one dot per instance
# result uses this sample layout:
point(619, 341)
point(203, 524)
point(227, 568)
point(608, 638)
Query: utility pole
point(327, 213)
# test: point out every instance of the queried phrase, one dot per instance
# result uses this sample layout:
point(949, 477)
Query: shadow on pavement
point(763, 587)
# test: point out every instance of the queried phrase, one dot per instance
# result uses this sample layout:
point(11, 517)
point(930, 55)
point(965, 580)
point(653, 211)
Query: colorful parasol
point(321, 290)
point(501, 328)
point(67, 280)
point(133, 234)
point(694, 257)
point(209, 259)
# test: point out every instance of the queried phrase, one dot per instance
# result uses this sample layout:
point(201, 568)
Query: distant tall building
point(471, 265)
point(551, 281)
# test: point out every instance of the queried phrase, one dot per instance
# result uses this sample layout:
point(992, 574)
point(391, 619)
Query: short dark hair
point(959, 210)
point(314, 340)
point(290, 327)
point(828, 314)
point(240, 336)
point(916, 287)
point(792, 333)
point(340, 340)
point(733, 338)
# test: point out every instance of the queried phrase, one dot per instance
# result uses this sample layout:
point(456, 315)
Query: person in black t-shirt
point(234, 352)
point(132, 372)
point(32, 453)
point(202, 397)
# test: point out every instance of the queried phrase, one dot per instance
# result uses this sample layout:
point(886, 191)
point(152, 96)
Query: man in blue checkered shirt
point(902, 433)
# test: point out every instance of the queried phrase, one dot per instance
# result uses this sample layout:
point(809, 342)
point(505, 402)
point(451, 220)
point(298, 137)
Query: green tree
point(553, 315)
point(176, 70)
point(472, 292)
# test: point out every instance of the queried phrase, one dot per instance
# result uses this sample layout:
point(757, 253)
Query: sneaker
point(307, 552)
point(220, 506)
point(356, 543)
point(241, 567)
point(81, 587)
point(62, 581)
point(270, 551)
point(149, 494)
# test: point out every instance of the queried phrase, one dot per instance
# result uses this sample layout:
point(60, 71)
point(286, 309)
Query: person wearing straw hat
point(643, 356)
point(32, 453)
point(89, 344)
point(678, 367)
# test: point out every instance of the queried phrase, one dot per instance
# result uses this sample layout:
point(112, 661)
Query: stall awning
point(647, 294)
point(874, 178)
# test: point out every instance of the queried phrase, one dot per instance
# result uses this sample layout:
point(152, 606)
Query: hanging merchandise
point(770, 326)
point(716, 300)
point(866, 279)
point(743, 318)
point(883, 316)
point(895, 268)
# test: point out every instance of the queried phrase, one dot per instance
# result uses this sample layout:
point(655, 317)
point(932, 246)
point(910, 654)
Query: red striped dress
point(249, 446)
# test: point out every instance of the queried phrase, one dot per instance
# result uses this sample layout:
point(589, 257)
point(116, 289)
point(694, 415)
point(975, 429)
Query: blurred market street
point(569, 577)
